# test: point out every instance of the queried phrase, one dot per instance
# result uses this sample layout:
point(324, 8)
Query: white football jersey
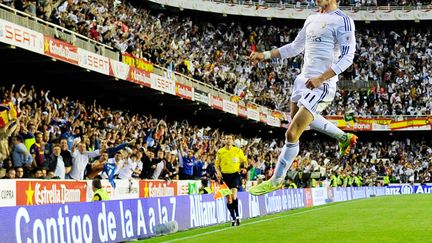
point(328, 41)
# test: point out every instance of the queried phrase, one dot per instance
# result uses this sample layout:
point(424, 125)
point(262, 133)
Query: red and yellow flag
point(222, 192)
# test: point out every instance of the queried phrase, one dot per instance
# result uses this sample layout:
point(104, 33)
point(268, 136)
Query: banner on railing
point(201, 96)
point(138, 63)
point(93, 61)
point(230, 107)
point(252, 112)
point(273, 121)
point(61, 50)
point(381, 124)
point(38, 192)
point(140, 77)
point(7, 193)
point(163, 84)
point(184, 91)
point(125, 189)
point(19, 36)
point(263, 117)
point(279, 115)
point(119, 70)
point(242, 111)
point(216, 102)
point(157, 188)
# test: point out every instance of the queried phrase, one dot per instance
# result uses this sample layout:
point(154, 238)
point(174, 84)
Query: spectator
point(170, 171)
point(10, 174)
point(37, 151)
point(98, 166)
point(186, 165)
point(37, 173)
point(112, 166)
point(20, 155)
point(128, 167)
point(160, 165)
point(80, 159)
point(148, 164)
point(19, 172)
point(55, 163)
point(66, 156)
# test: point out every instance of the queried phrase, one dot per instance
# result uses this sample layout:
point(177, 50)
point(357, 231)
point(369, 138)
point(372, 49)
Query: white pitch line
point(259, 221)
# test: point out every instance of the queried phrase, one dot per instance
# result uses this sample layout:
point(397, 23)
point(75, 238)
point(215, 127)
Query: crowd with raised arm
point(59, 137)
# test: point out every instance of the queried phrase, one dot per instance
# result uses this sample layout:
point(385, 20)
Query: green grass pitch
point(405, 218)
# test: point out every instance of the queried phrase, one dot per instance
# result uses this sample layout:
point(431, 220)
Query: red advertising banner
point(61, 50)
point(216, 102)
point(137, 63)
point(242, 111)
point(308, 197)
point(184, 91)
point(35, 192)
point(157, 188)
point(362, 127)
point(140, 77)
point(280, 115)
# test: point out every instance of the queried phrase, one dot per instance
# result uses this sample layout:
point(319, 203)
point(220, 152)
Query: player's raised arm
point(289, 50)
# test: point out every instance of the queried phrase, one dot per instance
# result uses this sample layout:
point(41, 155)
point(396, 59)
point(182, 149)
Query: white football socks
point(285, 160)
point(323, 125)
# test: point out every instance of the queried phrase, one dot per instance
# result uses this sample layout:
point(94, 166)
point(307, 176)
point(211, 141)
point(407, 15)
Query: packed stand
point(398, 60)
point(46, 138)
point(312, 3)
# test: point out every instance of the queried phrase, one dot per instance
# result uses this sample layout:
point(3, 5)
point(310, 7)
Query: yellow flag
point(222, 192)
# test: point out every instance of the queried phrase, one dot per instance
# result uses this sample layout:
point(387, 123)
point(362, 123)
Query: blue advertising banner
point(407, 189)
point(122, 220)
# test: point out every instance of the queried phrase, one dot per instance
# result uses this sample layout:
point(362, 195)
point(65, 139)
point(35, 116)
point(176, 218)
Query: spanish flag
point(4, 120)
point(222, 192)
point(7, 113)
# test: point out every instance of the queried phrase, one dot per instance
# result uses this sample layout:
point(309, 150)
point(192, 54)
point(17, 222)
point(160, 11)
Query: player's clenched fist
point(313, 83)
point(256, 57)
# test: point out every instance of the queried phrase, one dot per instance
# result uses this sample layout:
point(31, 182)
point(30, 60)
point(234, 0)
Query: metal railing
point(47, 28)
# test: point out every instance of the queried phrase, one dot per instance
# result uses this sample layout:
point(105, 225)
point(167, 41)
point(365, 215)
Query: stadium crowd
point(397, 61)
point(49, 137)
